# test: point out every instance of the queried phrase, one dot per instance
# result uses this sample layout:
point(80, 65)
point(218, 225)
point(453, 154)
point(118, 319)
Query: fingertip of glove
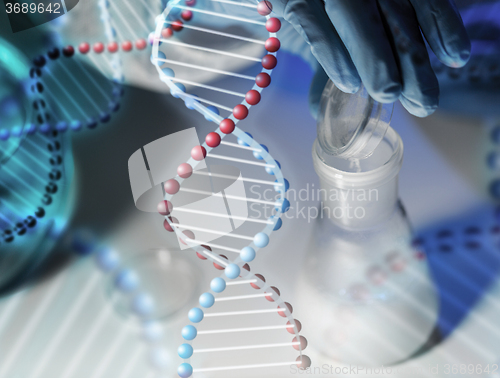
point(388, 94)
point(418, 110)
point(423, 112)
point(456, 55)
point(465, 55)
point(347, 83)
point(348, 88)
point(461, 60)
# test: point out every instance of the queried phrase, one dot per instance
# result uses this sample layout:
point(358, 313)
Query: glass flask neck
point(360, 193)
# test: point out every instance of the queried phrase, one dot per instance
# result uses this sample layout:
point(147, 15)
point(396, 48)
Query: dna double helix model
point(61, 93)
point(217, 330)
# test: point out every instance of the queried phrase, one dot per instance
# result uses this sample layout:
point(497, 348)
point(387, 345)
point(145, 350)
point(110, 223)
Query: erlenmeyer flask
point(368, 292)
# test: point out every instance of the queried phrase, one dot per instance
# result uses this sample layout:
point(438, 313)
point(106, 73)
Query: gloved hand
point(379, 42)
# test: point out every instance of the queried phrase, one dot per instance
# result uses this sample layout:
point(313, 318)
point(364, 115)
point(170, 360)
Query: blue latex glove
point(379, 42)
